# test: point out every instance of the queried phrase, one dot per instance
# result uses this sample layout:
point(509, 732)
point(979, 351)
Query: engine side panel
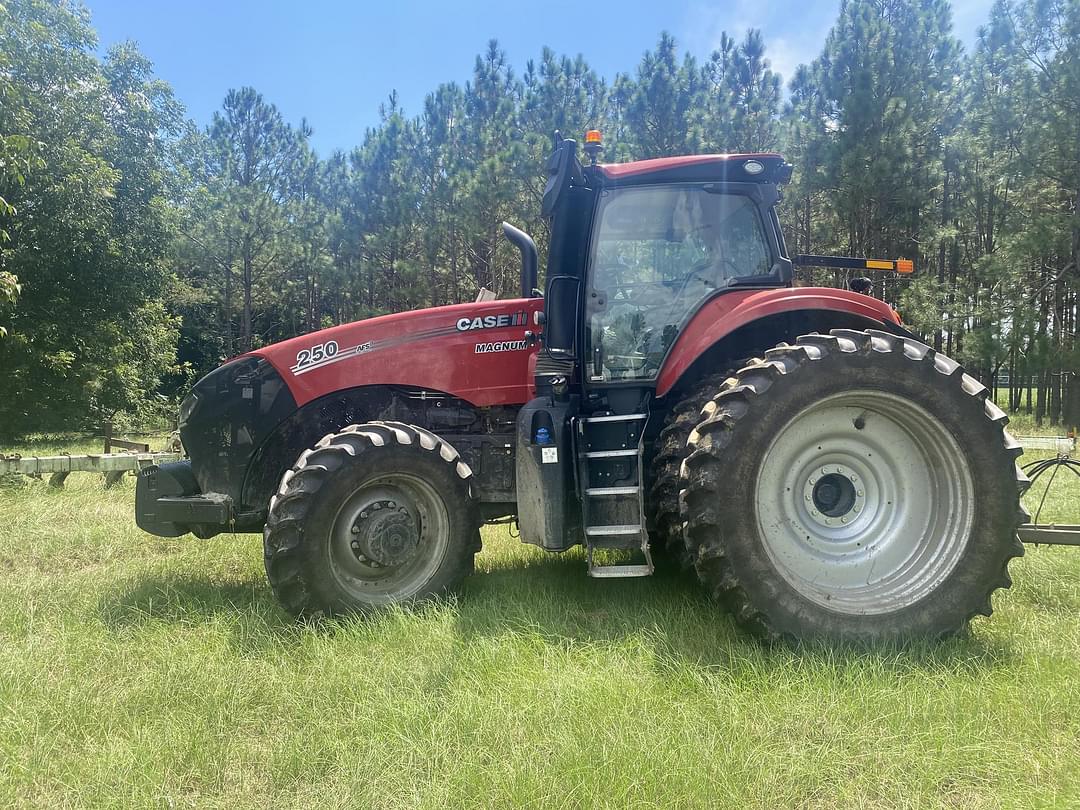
point(476, 352)
point(724, 314)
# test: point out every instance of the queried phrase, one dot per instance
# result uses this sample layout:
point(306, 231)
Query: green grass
point(137, 671)
point(1022, 423)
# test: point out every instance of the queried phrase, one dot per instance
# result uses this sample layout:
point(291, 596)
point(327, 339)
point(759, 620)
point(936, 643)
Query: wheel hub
point(833, 495)
point(385, 533)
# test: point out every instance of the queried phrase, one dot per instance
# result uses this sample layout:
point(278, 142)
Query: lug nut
point(356, 530)
point(843, 520)
point(859, 493)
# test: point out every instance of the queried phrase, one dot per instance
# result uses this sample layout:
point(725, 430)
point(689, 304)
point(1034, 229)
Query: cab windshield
point(659, 252)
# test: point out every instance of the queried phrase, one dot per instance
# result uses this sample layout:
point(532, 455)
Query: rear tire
point(665, 523)
point(377, 514)
point(855, 487)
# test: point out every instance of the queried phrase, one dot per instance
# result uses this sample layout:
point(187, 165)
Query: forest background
point(138, 250)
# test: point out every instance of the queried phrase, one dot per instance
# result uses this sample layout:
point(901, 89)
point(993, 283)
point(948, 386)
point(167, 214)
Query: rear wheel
point(379, 513)
point(856, 486)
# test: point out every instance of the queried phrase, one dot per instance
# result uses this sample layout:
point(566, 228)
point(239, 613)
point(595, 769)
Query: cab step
point(611, 531)
point(612, 571)
point(628, 417)
point(602, 492)
point(614, 514)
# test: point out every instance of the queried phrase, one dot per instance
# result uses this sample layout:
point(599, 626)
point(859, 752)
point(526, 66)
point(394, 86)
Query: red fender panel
point(726, 313)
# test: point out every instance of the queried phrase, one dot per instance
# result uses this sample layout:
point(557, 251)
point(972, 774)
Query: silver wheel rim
point(422, 513)
point(865, 503)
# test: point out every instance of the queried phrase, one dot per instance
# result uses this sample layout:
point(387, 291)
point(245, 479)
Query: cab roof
point(695, 168)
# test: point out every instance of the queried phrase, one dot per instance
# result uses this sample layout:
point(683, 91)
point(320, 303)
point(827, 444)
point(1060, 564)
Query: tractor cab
point(657, 252)
point(637, 250)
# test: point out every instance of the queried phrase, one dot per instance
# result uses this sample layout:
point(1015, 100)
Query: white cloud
point(968, 15)
point(791, 37)
point(794, 32)
point(784, 57)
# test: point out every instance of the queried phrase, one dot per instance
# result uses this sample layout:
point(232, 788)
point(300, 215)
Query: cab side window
point(659, 252)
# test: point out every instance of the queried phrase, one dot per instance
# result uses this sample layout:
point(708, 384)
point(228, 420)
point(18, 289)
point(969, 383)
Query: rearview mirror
point(560, 311)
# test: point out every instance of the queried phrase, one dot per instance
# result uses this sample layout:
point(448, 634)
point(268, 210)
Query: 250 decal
point(323, 354)
point(316, 354)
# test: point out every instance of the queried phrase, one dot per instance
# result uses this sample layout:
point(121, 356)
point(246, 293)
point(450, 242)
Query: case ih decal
point(491, 322)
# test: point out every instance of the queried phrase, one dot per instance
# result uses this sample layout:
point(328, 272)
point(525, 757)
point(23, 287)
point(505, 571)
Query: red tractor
point(669, 393)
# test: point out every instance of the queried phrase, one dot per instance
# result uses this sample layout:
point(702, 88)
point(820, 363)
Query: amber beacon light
point(593, 144)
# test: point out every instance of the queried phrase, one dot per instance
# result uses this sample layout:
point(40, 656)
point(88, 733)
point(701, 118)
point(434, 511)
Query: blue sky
point(333, 61)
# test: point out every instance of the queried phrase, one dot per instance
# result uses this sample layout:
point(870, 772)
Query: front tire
point(377, 514)
point(857, 487)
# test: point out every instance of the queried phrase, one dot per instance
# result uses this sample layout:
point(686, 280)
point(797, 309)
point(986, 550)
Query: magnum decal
point(504, 346)
point(491, 322)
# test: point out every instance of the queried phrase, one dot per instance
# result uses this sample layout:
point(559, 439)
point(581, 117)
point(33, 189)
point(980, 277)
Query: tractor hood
point(478, 352)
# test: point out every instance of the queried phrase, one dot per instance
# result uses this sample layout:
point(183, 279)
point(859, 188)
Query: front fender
point(723, 315)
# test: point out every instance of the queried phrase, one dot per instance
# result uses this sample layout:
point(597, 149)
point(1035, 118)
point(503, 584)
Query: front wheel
point(377, 514)
point(855, 486)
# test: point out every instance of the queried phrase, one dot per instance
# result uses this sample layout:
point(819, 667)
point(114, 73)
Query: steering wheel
point(696, 273)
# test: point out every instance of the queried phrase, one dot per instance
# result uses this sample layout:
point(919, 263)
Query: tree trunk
point(1014, 386)
point(941, 249)
point(245, 321)
point(227, 313)
point(1040, 399)
point(1071, 413)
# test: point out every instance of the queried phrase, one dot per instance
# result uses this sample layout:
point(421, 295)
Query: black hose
point(1035, 469)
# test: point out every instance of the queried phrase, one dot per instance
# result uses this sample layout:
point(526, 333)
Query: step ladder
point(610, 471)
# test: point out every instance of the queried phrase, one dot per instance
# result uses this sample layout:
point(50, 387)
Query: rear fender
point(736, 325)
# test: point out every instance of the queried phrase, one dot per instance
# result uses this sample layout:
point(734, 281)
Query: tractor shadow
point(546, 596)
point(552, 598)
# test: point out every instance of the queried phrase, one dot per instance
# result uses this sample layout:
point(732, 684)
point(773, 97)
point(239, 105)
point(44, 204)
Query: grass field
point(143, 672)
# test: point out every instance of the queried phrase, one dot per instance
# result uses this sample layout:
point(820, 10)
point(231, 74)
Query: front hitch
point(168, 503)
